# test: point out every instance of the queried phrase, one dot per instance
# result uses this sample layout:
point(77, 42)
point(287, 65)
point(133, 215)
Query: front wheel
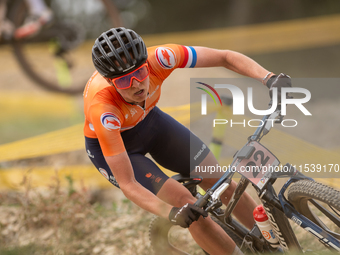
point(166, 238)
point(319, 203)
point(160, 237)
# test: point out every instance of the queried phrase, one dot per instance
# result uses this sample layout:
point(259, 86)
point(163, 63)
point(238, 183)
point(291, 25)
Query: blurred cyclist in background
point(39, 15)
point(6, 27)
point(123, 124)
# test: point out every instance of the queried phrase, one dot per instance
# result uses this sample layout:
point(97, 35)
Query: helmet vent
point(109, 34)
point(106, 48)
point(118, 51)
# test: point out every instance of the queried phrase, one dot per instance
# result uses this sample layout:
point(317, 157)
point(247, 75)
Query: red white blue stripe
point(190, 57)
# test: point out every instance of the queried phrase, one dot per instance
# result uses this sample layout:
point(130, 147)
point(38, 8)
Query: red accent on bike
point(260, 214)
point(27, 30)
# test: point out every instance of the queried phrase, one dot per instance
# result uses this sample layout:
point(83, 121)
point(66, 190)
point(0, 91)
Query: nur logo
point(239, 99)
point(238, 103)
point(204, 97)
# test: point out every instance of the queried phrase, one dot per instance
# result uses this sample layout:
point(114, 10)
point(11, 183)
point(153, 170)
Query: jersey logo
point(133, 111)
point(110, 121)
point(104, 173)
point(166, 57)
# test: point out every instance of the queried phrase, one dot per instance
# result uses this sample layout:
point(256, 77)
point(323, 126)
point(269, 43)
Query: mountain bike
point(54, 58)
point(310, 205)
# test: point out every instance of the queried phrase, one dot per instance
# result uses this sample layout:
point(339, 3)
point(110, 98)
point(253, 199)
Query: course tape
point(286, 147)
point(43, 176)
point(72, 139)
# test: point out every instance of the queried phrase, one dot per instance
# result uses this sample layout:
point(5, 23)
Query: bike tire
point(304, 195)
point(67, 74)
point(160, 228)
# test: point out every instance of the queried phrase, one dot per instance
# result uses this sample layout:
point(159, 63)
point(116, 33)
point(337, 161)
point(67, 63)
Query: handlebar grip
point(202, 201)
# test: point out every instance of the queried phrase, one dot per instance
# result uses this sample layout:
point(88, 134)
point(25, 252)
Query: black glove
point(278, 81)
point(186, 215)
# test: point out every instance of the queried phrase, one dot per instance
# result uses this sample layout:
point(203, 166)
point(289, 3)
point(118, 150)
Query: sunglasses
point(125, 82)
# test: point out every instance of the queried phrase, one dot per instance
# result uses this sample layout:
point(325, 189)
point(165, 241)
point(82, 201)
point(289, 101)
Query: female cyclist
point(123, 124)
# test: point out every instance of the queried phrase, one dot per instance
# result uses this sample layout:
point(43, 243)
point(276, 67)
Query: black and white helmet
point(118, 51)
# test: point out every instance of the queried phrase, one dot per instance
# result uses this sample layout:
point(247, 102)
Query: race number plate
point(256, 163)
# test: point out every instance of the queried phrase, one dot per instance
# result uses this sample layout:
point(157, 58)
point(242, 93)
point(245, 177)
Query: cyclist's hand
point(278, 81)
point(186, 215)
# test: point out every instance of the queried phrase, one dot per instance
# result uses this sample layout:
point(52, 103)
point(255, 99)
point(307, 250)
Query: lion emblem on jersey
point(110, 121)
point(166, 57)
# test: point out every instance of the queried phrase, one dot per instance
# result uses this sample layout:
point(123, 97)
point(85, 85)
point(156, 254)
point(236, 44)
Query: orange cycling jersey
point(107, 113)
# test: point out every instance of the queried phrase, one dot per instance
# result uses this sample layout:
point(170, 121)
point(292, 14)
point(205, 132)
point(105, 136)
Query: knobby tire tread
point(307, 189)
point(303, 191)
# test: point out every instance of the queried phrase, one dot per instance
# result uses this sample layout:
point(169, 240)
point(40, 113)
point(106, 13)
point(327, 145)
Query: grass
point(56, 220)
point(59, 220)
point(27, 249)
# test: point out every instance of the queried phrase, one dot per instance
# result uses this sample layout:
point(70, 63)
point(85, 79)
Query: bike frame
point(277, 208)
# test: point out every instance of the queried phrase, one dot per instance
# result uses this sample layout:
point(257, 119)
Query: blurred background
point(41, 127)
point(298, 38)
